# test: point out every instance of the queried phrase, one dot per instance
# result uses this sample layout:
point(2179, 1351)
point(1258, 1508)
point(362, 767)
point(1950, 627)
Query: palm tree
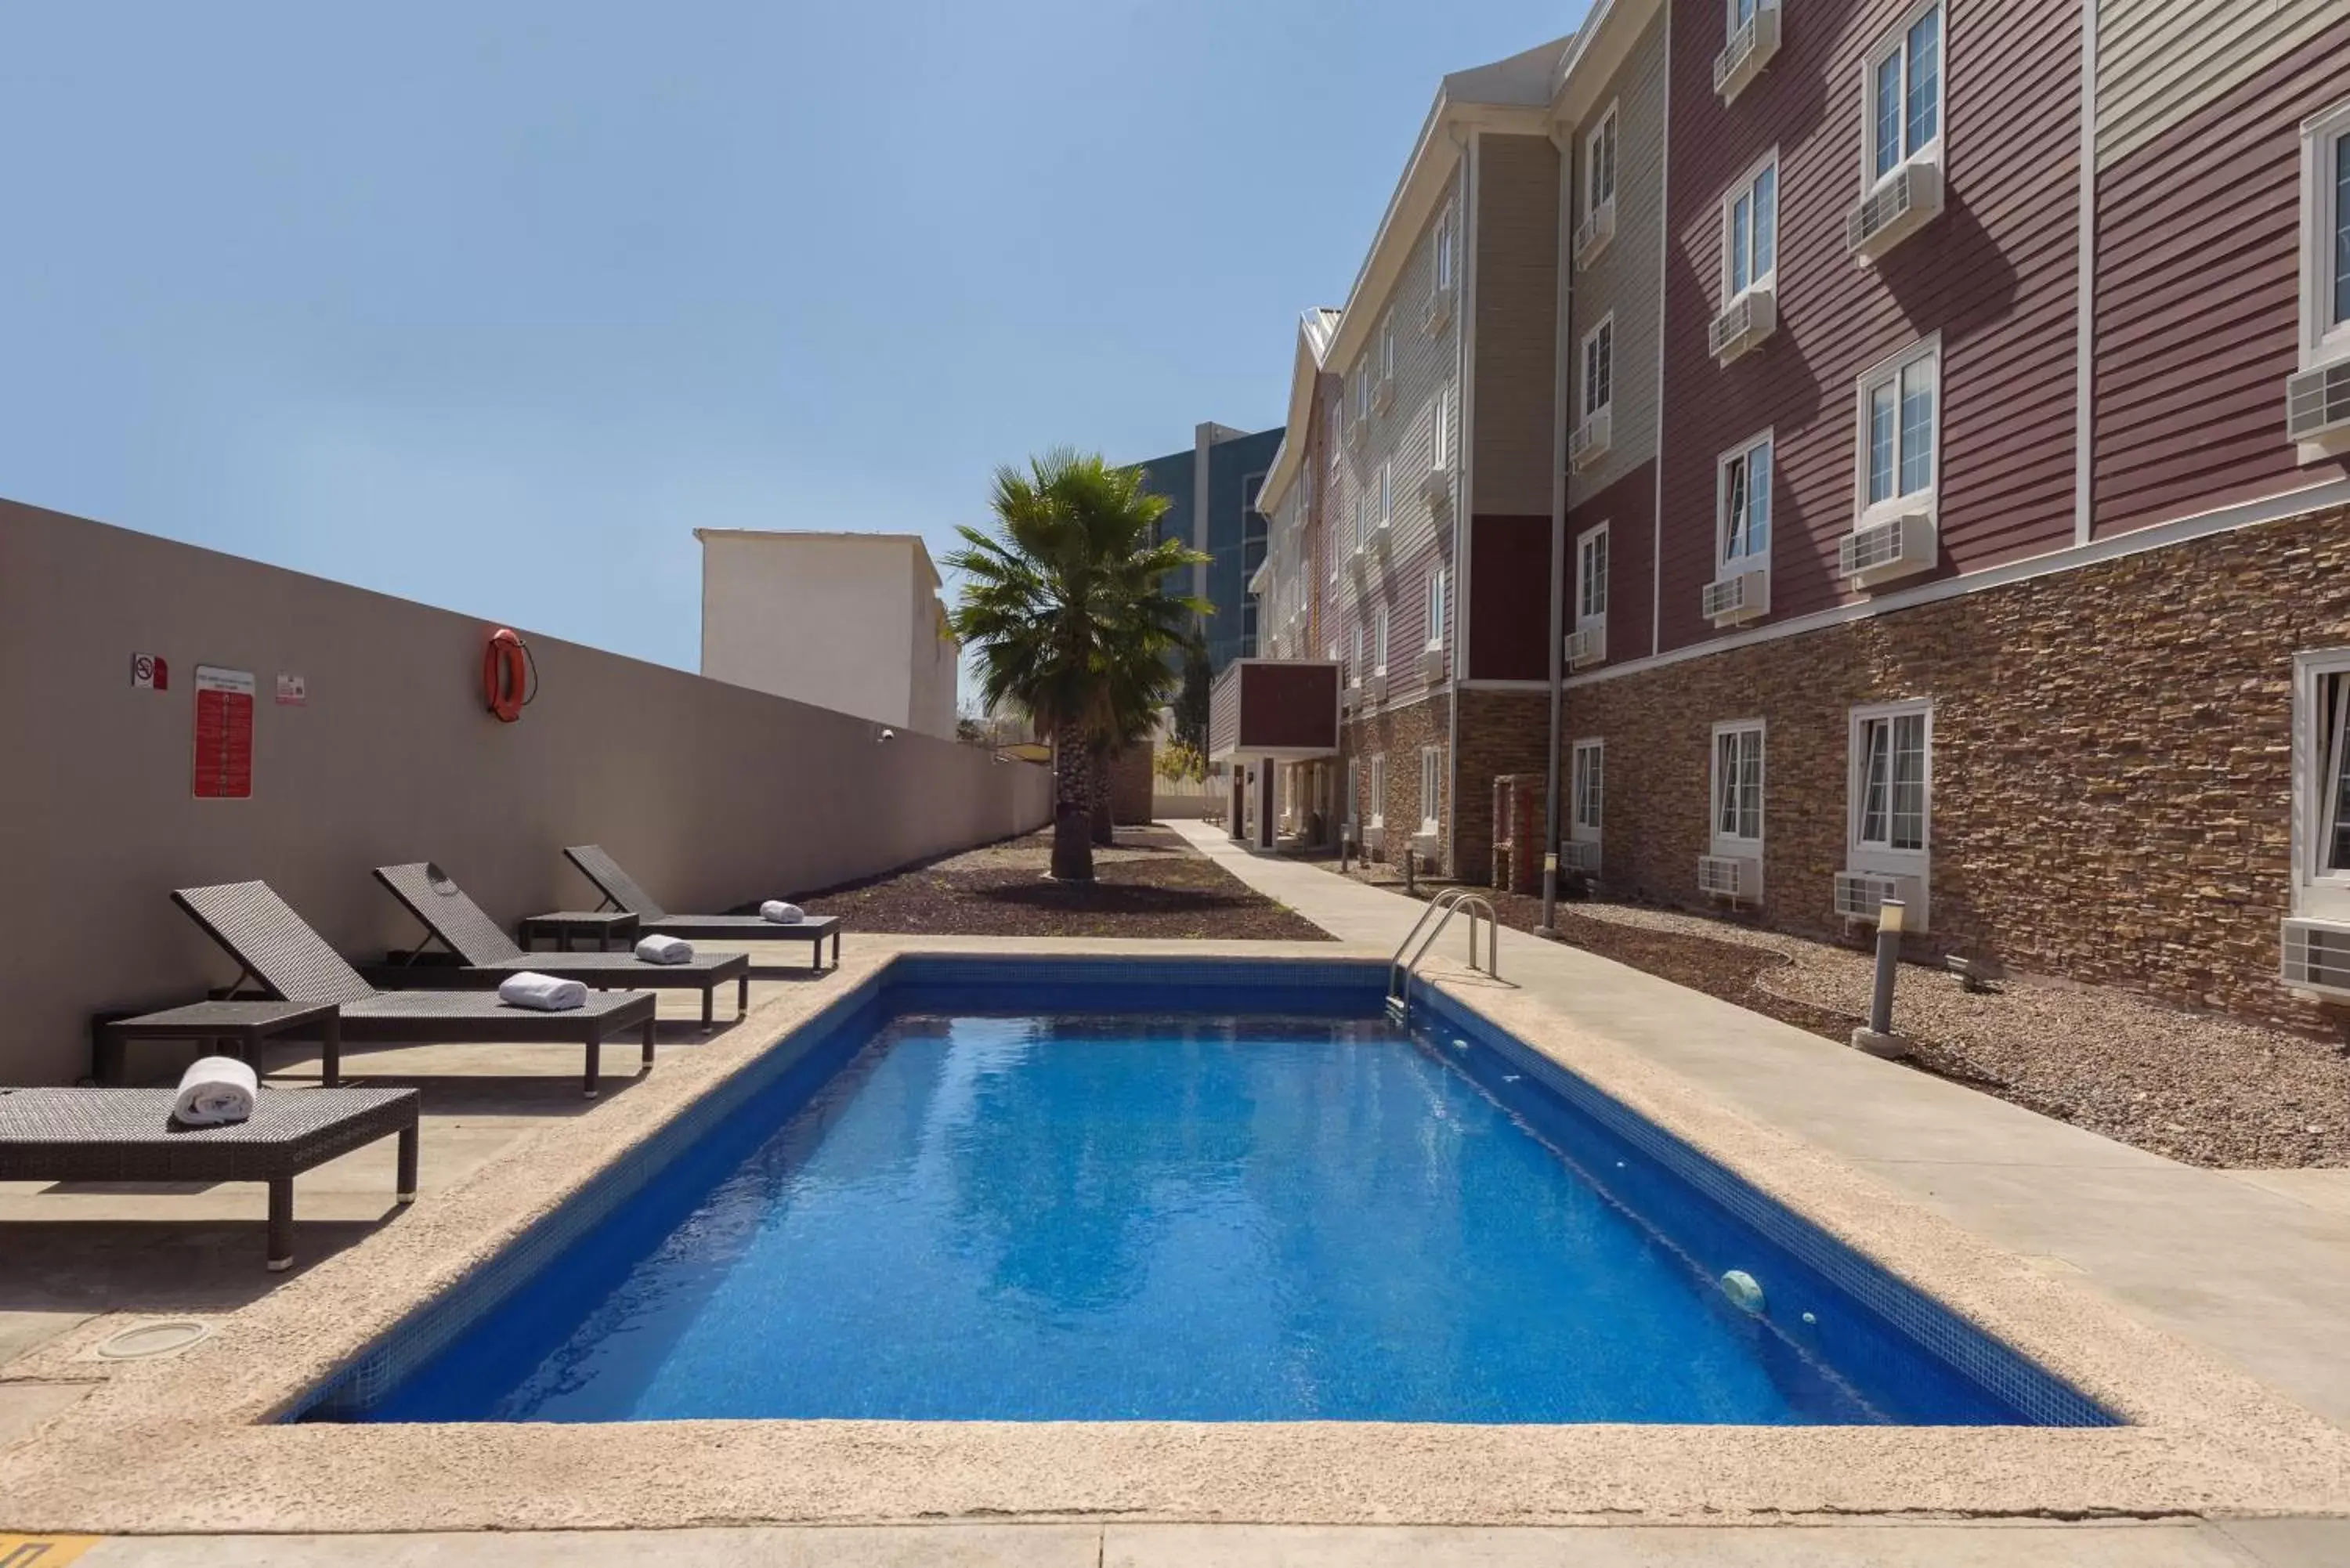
point(1067, 606)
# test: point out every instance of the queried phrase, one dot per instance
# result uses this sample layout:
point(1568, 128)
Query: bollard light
point(1877, 1037)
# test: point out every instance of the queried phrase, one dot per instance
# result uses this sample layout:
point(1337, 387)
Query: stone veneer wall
point(1399, 733)
point(1501, 732)
point(2111, 774)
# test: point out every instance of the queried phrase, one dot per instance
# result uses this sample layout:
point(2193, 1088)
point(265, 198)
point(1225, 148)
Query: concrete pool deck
point(174, 1446)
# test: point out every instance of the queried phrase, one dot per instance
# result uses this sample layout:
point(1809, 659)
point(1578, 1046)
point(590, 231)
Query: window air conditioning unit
point(1432, 661)
point(1375, 685)
point(1592, 235)
point(1894, 547)
point(1746, 596)
point(1897, 206)
point(1436, 488)
point(1586, 644)
point(1383, 394)
point(1737, 878)
point(1438, 312)
point(1352, 697)
point(2317, 407)
point(1588, 444)
point(1749, 50)
point(2317, 956)
point(1580, 857)
point(1744, 323)
point(1858, 894)
point(1380, 533)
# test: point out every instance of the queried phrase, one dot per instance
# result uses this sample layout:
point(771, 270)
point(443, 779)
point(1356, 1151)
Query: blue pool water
point(957, 1214)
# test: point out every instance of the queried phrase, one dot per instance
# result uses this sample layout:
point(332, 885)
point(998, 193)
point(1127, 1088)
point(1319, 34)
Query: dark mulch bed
point(1151, 884)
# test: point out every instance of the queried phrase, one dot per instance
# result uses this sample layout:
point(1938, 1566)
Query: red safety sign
point(224, 733)
point(149, 673)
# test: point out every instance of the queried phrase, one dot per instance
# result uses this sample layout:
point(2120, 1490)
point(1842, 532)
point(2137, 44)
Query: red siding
point(1509, 611)
point(1994, 274)
point(1288, 705)
point(2199, 279)
point(1629, 507)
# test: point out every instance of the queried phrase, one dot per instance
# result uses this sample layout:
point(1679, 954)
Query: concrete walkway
point(2254, 1268)
point(2284, 1543)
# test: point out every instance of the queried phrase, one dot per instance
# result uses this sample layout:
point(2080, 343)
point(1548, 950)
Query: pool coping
point(188, 1443)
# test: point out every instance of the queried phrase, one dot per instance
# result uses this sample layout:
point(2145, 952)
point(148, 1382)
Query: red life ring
point(509, 675)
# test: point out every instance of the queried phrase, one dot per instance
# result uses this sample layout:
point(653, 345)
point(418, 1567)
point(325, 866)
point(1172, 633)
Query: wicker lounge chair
point(281, 954)
point(620, 892)
point(485, 954)
point(128, 1134)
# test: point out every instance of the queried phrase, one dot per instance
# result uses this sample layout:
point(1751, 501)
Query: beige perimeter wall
point(711, 794)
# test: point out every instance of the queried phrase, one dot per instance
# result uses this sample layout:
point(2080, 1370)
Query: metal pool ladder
point(1441, 909)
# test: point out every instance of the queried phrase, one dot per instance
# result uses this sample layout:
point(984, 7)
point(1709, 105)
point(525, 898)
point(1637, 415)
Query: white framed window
point(1742, 507)
point(1354, 790)
point(1440, 435)
point(1431, 788)
point(1600, 163)
point(1892, 779)
point(1440, 243)
point(1379, 643)
point(1377, 804)
point(1386, 346)
point(1737, 784)
point(1591, 575)
point(1750, 231)
point(1362, 519)
point(1901, 113)
point(1742, 11)
point(2321, 765)
point(1436, 586)
point(1362, 637)
point(2326, 237)
point(1332, 429)
point(1363, 379)
point(1386, 493)
point(1588, 790)
point(1899, 414)
point(1599, 366)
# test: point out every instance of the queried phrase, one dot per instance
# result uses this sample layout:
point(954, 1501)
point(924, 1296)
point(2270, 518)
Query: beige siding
point(1517, 312)
point(2159, 61)
point(1403, 438)
point(1626, 276)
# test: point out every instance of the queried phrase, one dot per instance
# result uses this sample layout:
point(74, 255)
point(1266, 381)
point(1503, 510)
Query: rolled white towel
point(665, 950)
point(782, 914)
point(217, 1090)
point(543, 993)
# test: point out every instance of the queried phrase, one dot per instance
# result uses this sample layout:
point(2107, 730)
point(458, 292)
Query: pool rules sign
point(224, 733)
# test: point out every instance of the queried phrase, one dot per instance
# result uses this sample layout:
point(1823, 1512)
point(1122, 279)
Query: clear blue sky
point(487, 304)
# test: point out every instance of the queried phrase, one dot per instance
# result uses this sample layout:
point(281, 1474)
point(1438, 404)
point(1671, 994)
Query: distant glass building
point(1227, 467)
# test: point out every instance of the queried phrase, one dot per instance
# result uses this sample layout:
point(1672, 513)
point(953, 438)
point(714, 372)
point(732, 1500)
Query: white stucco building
point(846, 621)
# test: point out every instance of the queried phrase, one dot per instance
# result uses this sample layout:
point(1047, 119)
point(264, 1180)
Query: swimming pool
point(1054, 1190)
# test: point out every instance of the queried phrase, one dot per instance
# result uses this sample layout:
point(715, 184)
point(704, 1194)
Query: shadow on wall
point(384, 752)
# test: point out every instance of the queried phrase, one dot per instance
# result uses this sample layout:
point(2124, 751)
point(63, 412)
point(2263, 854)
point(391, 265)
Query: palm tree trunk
point(1072, 850)
point(1105, 825)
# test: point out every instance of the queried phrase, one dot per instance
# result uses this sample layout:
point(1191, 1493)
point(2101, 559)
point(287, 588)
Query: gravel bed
point(1150, 884)
point(2196, 1087)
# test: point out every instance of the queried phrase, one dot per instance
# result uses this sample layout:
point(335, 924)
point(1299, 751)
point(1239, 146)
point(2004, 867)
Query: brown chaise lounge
point(620, 892)
point(485, 954)
point(279, 951)
point(128, 1134)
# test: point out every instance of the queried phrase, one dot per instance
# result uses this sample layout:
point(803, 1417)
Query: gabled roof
point(1315, 330)
point(1509, 95)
